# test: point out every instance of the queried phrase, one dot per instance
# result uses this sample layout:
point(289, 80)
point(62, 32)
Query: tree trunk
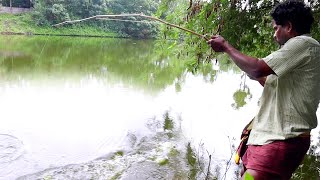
point(11, 6)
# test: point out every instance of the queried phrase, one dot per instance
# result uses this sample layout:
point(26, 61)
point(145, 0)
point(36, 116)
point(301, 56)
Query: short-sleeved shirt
point(291, 97)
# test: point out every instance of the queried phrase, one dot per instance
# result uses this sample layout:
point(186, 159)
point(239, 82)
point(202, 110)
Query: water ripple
point(11, 148)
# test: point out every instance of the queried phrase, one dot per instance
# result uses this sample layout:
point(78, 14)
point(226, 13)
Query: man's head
point(291, 18)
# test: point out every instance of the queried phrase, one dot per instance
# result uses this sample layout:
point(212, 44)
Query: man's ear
point(290, 29)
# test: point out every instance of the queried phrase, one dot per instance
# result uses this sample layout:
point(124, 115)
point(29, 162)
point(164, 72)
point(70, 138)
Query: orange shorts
point(280, 158)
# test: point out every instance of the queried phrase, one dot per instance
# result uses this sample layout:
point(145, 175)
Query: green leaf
point(248, 176)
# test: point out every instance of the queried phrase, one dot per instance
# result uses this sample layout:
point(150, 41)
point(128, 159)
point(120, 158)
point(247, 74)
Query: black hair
point(296, 12)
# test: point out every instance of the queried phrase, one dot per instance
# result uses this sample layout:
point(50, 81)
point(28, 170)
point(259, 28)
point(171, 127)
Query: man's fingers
point(215, 36)
point(211, 41)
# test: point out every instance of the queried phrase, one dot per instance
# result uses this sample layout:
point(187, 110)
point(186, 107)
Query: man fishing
point(280, 135)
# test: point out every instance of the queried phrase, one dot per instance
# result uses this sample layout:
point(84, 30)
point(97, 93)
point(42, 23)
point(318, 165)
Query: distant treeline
point(48, 12)
point(17, 3)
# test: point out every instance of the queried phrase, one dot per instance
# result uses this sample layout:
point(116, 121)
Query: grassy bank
point(24, 24)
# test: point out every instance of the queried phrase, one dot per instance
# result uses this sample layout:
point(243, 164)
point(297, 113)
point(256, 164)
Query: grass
point(24, 24)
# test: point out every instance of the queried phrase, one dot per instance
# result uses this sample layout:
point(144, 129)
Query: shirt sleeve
point(288, 57)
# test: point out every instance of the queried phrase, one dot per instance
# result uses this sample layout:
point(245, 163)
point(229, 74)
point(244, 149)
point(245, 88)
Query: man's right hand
point(218, 43)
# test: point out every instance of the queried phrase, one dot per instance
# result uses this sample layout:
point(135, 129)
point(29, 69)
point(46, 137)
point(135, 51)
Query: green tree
point(245, 25)
point(137, 27)
point(50, 11)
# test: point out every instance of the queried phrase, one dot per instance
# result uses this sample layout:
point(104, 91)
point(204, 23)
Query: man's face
point(280, 33)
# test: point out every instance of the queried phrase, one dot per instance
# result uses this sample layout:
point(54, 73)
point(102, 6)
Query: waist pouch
point(243, 143)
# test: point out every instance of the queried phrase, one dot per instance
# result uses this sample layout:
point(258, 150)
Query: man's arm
point(254, 67)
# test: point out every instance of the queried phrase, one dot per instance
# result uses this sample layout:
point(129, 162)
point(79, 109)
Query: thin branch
point(208, 171)
point(229, 161)
point(198, 156)
point(130, 15)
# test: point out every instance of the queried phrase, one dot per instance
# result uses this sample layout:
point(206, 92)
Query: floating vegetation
point(116, 154)
point(168, 122)
point(192, 162)
point(174, 152)
point(119, 153)
point(163, 162)
point(168, 125)
point(117, 176)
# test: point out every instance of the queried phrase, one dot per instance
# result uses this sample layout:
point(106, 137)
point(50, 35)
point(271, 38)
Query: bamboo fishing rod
point(130, 15)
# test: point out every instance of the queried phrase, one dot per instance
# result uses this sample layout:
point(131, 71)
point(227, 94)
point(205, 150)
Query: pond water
point(91, 108)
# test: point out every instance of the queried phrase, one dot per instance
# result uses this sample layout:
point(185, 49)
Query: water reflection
point(73, 100)
point(128, 61)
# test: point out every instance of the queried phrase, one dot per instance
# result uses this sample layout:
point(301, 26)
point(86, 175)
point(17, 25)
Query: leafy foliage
point(245, 24)
point(48, 12)
point(310, 167)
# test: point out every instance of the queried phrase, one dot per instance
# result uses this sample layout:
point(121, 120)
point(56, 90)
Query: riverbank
point(23, 24)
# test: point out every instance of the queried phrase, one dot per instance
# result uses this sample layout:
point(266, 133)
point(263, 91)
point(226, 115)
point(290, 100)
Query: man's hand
point(218, 43)
point(261, 80)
